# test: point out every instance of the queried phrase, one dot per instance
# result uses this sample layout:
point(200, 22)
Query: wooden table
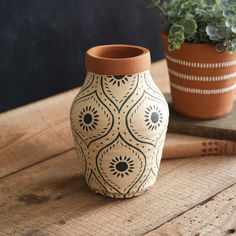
point(43, 193)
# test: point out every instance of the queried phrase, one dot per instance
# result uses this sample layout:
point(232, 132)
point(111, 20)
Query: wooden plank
point(51, 198)
point(41, 130)
point(35, 132)
point(223, 128)
point(215, 217)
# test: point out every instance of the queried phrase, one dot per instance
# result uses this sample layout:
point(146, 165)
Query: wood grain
point(41, 130)
point(51, 198)
point(35, 132)
point(43, 193)
point(217, 216)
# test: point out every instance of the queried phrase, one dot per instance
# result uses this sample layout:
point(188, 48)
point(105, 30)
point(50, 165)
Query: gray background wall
point(43, 42)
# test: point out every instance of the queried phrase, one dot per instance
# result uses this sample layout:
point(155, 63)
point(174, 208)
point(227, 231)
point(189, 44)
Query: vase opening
point(118, 59)
point(117, 52)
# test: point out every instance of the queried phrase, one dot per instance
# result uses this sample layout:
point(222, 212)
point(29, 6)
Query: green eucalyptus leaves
point(199, 21)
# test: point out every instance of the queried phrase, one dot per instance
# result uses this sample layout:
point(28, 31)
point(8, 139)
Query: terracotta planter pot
point(202, 81)
point(119, 121)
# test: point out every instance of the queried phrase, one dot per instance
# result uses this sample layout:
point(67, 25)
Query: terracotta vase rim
point(118, 59)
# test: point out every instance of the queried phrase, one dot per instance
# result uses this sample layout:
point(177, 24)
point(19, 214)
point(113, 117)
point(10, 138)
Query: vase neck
point(118, 59)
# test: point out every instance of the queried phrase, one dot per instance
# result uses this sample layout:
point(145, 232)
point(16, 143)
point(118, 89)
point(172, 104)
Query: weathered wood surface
point(215, 217)
point(51, 198)
point(41, 130)
point(42, 192)
point(35, 132)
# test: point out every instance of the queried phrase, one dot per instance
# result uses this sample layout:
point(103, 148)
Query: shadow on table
point(61, 199)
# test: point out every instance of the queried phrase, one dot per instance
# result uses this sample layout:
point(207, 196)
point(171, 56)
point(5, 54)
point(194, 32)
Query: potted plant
point(199, 44)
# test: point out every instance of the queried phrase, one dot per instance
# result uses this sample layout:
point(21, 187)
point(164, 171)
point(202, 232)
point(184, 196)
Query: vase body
point(202, 81)
point(119, 125)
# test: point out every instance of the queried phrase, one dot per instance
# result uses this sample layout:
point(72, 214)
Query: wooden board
point(41, 130)
point(35, 132)
point(52, 198)
point(223, 128)
point(217, 217)
point(42, 192)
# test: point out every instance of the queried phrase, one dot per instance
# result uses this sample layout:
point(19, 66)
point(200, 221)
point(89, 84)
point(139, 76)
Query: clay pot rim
point(92, 51)
point(210, 55)
point(108, 59)
point(202, 46)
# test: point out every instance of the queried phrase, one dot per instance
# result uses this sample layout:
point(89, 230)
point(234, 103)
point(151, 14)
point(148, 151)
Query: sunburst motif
point(121, 166)
point(153, 117)
point(88, 118)
point(119, 79)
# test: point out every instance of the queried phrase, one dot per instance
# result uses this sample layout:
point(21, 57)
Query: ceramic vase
point(203, 81)
point(119, 121)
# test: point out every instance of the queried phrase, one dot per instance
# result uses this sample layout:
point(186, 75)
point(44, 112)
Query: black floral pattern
point(88, 118)
point(121, 166)
point(118, 80)
point(153, 117)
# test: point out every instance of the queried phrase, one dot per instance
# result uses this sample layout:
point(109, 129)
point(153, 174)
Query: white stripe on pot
point(202, 78)
point(203, 91)
point(201, 65)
